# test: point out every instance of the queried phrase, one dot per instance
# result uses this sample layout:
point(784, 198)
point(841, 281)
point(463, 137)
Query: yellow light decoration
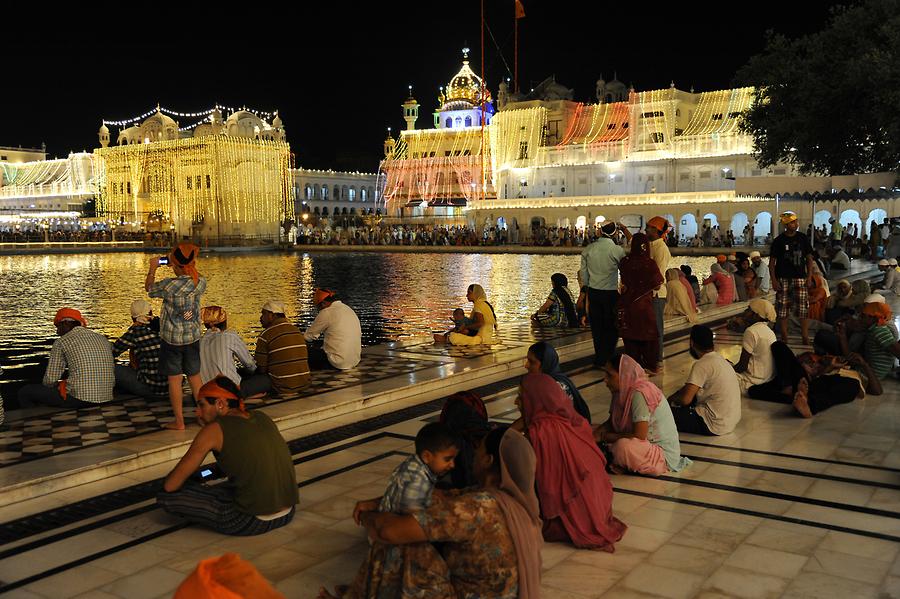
point(216, 181)
point(515, 130)
point(718, 112)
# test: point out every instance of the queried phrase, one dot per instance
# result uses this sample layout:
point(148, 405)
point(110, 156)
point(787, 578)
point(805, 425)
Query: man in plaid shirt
point(142, 377)
point(179, 324)
point(86, 355)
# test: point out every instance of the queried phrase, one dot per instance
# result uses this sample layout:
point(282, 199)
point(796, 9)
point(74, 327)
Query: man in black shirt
point(791, 267)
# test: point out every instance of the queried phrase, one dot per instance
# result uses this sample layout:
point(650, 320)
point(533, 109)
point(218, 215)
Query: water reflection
point(397, 296)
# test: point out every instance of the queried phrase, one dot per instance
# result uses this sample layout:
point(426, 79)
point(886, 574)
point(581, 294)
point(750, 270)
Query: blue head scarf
point(545, 352)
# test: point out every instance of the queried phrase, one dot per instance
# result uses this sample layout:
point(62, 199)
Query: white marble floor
point(782, 507)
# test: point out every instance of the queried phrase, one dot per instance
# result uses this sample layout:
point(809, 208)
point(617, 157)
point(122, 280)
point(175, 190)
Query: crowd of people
point(468, 512)
point(92, 235)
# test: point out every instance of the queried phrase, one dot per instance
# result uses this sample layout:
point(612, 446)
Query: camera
point(164, 261)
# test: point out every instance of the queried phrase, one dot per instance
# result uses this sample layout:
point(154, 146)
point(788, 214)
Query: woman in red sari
point(574, 489)
point(637, 320)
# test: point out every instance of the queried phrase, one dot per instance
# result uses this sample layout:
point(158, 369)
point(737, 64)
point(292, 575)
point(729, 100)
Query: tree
point(829, 102)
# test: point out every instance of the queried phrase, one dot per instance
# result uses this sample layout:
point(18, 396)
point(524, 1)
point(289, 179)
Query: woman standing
point(640, 434)
point(636, 317)
point(485, 321)
point(559, 309)
point(574, 489)
point(818, 294)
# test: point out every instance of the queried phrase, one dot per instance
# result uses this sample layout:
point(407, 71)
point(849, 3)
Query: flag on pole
point(520, 10)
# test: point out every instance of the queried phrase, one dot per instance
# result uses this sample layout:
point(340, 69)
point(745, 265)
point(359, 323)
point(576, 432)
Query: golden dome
point(464, 90)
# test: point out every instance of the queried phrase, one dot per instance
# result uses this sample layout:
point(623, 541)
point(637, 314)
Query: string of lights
point(203, 113)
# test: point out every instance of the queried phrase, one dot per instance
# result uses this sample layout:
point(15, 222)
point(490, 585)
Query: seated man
point(840, 260)
point(88, 358)
point(261, 494)
point(220, 347)
point(281, 355)
point(342, 345)
point(142, 376)
point(755, 366)
point(709, 403)
point(881, 349)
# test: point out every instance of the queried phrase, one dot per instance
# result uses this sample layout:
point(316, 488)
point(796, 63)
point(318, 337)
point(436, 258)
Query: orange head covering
point(721, 259)
point(659, 223)
point(69, 314)
point(213, 315)
point(185, 255)
point(213, 390)
point(880, 312)
point(322, 295)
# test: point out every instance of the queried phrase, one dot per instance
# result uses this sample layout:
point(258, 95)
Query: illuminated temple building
point(550, 160)
point(216, 179)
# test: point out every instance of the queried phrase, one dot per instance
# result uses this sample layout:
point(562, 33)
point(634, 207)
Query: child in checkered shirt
point(409, 489)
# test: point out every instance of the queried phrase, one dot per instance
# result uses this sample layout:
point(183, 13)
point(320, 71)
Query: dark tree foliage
point(829, 102)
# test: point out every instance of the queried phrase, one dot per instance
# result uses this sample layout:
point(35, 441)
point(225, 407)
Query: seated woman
point(842, 302)
point(574, 490)
point(262, 493)
point(745, 271)
point(542, 358)
point(640, 433)
point(688, 273)
point(490, 537)
point(559, 309)
point(679, 298)
point(485, 321)
point(724, 284)
point(812, 384)
point(465, 414)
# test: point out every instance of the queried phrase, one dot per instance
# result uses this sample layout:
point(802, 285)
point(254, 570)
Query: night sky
point(338, 72)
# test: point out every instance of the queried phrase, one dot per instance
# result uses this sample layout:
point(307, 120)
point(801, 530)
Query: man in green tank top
point(261, 493)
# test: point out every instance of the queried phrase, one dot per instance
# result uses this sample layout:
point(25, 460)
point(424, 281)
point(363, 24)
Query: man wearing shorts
point(790, 267)
point(180, 330)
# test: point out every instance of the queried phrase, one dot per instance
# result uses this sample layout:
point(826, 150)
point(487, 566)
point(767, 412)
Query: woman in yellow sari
point(484, 317)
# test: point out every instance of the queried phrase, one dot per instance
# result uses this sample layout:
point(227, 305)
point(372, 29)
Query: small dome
point(464, 90)
point(161, 119)
point(276, 122)
point(104, 130)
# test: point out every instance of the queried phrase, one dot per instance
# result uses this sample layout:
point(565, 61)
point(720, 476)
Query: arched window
point(448, 123)
point(457, 122)
point(308, 192)
point(363, 194)
point(324, 192)
point(468, 121)
point(351, 194)
point(337, 193)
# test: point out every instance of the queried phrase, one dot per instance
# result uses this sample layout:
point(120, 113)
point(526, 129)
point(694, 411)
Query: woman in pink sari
point(640, 433)
point(573, 487)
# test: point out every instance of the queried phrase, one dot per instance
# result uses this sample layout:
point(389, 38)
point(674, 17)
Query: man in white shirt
point(756, 365)
point(762, 272)
point(840, 261)
point(342, 345)
point(709, 403)
point(656, 230)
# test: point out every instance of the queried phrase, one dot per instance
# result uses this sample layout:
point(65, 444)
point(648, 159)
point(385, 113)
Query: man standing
point(791, 267)
point(281, 355)
point(709, 403)
point(762, 272)
point(656, 231)
point(86, 355)
point(342, 343)
point(600, 275)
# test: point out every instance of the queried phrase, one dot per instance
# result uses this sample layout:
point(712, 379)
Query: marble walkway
point(782, 507)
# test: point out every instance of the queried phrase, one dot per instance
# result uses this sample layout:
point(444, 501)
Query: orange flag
point(520, 10)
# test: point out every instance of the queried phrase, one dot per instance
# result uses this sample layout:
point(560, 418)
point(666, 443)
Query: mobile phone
point(206, 473)
point(164, 261)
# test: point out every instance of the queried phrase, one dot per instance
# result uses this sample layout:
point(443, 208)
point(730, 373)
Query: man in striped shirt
point(281, 354)
point(86, 355)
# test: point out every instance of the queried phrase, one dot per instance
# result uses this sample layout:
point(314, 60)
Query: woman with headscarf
point(723, 283)
point(840, 302)
point(575, 491)
point(490, 537)
point(818, 292)
point(640, 433)
point(692, 280)
point(485, 321)
point(636, 316)
point(464, 413)
point(559, 309)
point(542, 357)
point(679, 297)
point(746, 274)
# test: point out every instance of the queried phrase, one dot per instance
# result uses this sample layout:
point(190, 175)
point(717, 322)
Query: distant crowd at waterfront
point(150, 238)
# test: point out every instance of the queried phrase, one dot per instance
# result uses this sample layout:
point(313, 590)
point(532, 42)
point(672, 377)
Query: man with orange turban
point(86, 356)
point(881, 348)
point(179, 323)
point(656, 230)
point(791, 271)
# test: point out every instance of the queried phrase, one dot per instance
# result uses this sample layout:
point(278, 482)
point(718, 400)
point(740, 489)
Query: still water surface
point(397, 296)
